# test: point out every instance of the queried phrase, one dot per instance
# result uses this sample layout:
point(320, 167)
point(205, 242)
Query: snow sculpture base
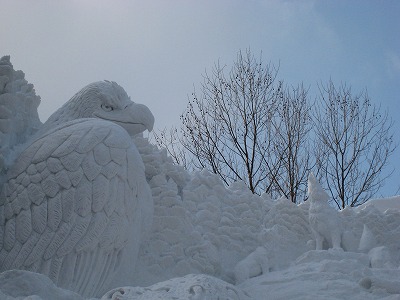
point(192, 286)
point(18, 284)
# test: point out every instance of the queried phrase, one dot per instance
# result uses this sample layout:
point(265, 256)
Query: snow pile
point(202, 227)
point(285, 232)
point(17, 284)
point(327, 274)
point(384, 204)
point(255, 264)
point(191, 286)
point(199, 226)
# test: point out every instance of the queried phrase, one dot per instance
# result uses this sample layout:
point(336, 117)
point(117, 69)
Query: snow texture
point(18, 113)
point(205, 237)
point(255, 264)
point(18, 284)
point(192, 286)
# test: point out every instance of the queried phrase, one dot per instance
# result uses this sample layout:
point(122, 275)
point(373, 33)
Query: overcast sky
point(158, 50)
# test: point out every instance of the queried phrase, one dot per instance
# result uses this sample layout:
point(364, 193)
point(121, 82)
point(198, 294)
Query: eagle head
point(108, 101)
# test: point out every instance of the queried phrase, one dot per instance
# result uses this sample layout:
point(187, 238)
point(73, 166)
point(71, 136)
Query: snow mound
point(188, 287)
point(18, 284)
point(285, 232)
point(326, 274)
point(200, 226)
point(255, 264)
point(384, 204)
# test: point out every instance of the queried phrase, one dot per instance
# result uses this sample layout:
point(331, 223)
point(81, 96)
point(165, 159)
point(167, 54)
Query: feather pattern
point(73, 213)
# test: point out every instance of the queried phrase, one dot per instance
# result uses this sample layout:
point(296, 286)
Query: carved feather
point(23, 226)
point(39, 217)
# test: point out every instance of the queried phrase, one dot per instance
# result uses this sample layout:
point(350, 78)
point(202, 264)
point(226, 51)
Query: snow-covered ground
point(208, 241)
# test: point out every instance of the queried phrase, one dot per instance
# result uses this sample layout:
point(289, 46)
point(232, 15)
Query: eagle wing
point(73, 202)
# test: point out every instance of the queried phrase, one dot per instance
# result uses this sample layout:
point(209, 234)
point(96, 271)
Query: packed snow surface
point(208, 241)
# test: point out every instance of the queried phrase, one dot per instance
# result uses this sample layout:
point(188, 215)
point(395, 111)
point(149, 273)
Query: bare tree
point(172, 142)
point(245, 125)
point(356, 144)
point(227, 128)
point(292, 129)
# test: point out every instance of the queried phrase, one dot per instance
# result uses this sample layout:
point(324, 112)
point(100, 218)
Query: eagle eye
point(107, 107)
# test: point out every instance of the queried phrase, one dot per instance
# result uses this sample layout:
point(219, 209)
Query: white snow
point(201, 227)
point(17, 284)
point(255, 264)
point(205, 238)
point(385, 204)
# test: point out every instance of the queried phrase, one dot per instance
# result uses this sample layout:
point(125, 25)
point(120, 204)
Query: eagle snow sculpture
point(74, 199)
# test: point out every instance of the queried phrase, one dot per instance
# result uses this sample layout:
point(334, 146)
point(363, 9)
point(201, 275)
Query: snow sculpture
point(199, 225)
point(324, 220)
point(367, 240)
point(75, 202)
point(255, 264)
point(18, 112)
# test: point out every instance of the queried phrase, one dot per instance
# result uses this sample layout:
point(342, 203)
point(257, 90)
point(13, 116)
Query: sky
point(158, 50)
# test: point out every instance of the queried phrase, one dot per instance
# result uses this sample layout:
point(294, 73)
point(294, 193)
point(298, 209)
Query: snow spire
point(315, 190)
point(18, 113)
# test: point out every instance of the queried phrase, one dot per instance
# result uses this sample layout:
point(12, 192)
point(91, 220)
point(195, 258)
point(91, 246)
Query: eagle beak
point(141, 114)
point(135, 118)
